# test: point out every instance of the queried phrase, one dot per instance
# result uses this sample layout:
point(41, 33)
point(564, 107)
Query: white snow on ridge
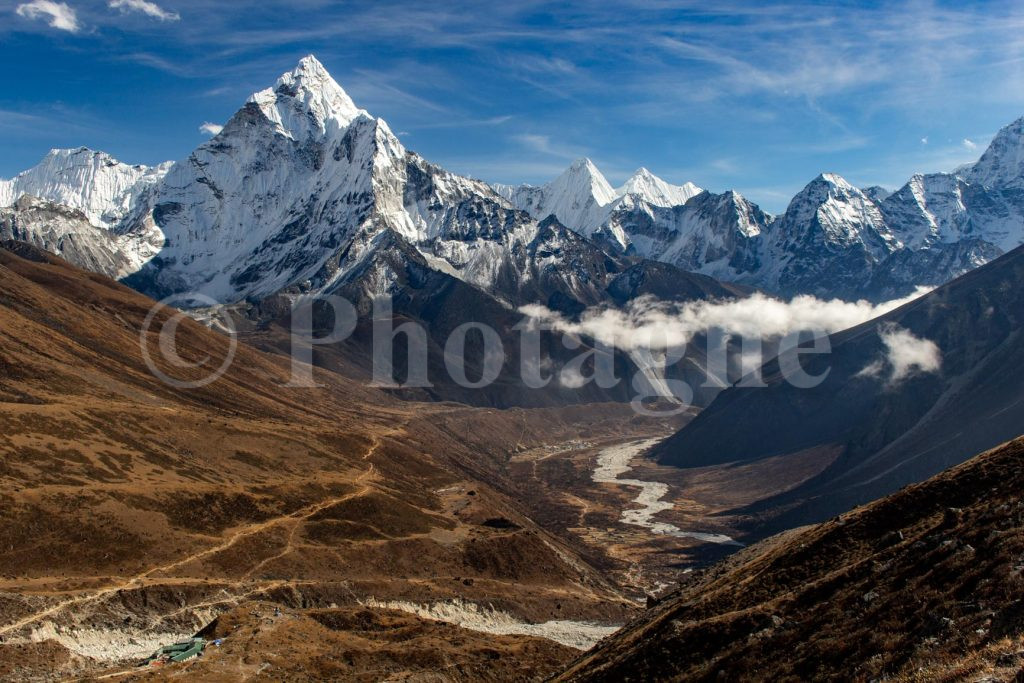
point(312, 96)
point(1002, 164)
point(102, 187)
point(579, 198)
point(656, 191)
point(582, 199)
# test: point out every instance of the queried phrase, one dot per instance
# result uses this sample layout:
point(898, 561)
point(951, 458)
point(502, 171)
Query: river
point(613, 462)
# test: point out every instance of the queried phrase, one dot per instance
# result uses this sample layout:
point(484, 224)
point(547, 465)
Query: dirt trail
point(138, 581)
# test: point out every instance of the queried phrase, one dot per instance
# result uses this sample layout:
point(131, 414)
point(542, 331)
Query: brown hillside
point(925, 585)
point(129, 508)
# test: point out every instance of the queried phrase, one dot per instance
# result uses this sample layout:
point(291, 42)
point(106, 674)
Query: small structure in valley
point(178, 652)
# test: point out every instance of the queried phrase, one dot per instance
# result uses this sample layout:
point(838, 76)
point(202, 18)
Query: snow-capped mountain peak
point(654, 190)
point(584, 180)
point(307, 100)
point(95, 183)
point(1002, 164)
point(580, 197)
point(583, 199)
point(843, 213)
point(301, 187)
point(836, 181)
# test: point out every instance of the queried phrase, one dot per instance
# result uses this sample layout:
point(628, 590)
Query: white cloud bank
point(57, 14)
point(648, 323)
point(905, 355)
point(150, 9)
point(211, 128)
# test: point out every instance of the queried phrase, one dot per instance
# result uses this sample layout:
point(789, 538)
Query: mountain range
point(833, 240)
point(301, 188)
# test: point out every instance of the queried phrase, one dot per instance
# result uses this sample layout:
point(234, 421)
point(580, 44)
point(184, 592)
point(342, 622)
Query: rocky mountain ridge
point(297, 188)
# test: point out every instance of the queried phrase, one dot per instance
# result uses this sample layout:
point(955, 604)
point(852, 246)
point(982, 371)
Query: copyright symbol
point(167, 340)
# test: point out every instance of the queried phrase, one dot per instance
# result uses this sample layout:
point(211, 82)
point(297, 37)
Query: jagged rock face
point(1001, 167)
point(712, 234)
point(829, 237)
point(68, 233)
point(876, 193)
point(833, 239)
point(583, 200)
point(298, 190)
point(293, 194)
point(930, 267)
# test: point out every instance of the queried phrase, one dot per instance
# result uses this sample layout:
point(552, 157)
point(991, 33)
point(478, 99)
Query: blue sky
point(753, 96)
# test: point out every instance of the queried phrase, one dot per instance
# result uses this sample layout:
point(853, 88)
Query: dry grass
point(924, 585)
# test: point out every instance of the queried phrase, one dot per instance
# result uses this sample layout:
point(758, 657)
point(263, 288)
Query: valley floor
point(101, 625)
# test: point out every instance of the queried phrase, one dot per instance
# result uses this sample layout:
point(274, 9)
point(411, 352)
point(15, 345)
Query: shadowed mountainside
point(924, 585)
point(882, 432)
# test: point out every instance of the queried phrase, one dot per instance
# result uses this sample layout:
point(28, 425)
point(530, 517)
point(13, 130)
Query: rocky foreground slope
point(925, 585)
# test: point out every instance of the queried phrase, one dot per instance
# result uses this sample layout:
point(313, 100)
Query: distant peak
point(73, 151)
point(310, 73)
point(310, 63)
point(834, 181)
point(654, 190)
point(581, 181)
point(584, 168)
point(831, 179)
point(1002, 164)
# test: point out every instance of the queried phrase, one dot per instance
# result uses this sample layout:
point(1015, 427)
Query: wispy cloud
point(904, 356)
point(544, 144)
point(541, 64)
point(42, 122)
point(380, 88)
point(465, 123)
point(208, 128)
point(156, 62)
point(648, 323)
point(150, 9)
point(19, 121)
point(57, 14)
point(969, 144)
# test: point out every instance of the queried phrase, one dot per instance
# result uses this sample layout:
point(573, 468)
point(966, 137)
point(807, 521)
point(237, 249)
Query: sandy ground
point(580, 635)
